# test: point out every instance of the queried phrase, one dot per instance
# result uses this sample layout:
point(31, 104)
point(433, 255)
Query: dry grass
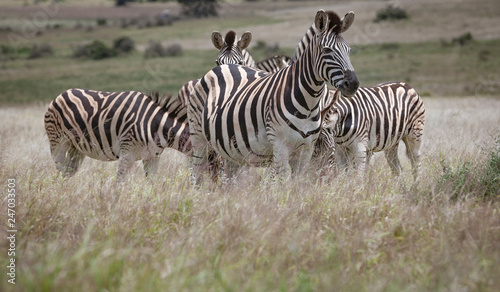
point(351, 234)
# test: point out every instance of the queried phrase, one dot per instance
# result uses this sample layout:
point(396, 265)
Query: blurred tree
point(199, 8)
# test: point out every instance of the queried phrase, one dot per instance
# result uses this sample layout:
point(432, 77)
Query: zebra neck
point(309, 85)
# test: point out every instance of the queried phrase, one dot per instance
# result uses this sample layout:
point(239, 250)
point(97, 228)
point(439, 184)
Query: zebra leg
point(281, 164)
point(302, 161)
point(67, 158)
point(359, 155)
point(391, 155)
point(151, 165)
point(199, 162)
point(413, 152)
point(341, 158)
point(369, 155)
point(125, 163)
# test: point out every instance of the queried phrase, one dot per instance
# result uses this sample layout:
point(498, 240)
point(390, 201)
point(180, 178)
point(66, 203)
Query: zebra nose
point(350, 84)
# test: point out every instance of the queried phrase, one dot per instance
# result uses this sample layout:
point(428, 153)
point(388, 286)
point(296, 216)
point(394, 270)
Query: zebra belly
point(238, 142)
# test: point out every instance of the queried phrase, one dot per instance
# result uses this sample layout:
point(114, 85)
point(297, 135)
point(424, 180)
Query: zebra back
point(380, 116)
point(104, 125)
point(274, 64)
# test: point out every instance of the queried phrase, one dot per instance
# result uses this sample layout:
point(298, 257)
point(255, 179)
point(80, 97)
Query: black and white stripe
point(375, 119)
point(255, 118)
point(125, 126)
point(274, 64)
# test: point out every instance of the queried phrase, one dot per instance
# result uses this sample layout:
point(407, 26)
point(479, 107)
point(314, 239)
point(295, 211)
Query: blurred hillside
point(443, 47)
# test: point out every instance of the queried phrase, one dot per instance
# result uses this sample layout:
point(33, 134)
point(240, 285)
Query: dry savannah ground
point(336, 233)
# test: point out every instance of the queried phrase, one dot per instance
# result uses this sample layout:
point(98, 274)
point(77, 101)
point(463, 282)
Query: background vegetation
point(346, 233)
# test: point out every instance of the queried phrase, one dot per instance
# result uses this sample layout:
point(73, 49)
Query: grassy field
point(345, 233)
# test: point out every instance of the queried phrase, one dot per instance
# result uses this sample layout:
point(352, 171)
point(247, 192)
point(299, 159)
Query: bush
point(155, 49)
point(199, 8)
point(173, 50)
point(123, 45)
point(390, 13)
point(38, 51)
point(96, 50)
point(101, 22)
point(482, 181)
point(463, 39)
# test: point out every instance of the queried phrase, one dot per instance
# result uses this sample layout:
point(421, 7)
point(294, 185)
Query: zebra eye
point(327, 50)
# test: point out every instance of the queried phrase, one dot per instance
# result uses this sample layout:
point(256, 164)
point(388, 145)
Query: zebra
point(108, 126)
point(375, 119)
point(274, 64)
point(252, 117)
point(230, 52)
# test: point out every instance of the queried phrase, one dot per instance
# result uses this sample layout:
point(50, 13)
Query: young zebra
point(375, 119)
point(125, 126)
point(255, 118)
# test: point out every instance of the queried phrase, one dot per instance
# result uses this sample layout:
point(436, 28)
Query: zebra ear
point(347, 21)
point(217, 40)
point(245, 40)
point(321, 21)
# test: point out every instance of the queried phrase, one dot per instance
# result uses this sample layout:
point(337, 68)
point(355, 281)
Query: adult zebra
point(375, 119)
point(125, 126)
point(255, 118)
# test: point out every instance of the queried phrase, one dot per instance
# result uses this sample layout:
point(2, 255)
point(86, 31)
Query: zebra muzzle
point(349, 85)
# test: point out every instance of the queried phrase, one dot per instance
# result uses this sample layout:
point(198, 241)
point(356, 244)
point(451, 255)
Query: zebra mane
point(162, 100)
point(230, 38)
point(334, 23)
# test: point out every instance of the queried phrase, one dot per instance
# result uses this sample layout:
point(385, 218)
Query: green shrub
point(390, 12)
point(123, 44)
point(173, 50)
point(490, 178)
point(462, 39)
point(96, 50)
point(156, 49)
point(482, 181)
point(199, 8)
point(39, 51)
point(101, 22)
point(459, 181)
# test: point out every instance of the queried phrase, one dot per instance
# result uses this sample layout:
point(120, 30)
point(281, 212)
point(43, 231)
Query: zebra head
point(229, 52)
point(335, 65)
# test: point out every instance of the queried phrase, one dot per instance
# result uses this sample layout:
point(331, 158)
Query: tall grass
point(349, 233)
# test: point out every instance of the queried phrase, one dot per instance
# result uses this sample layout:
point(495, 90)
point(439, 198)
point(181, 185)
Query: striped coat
point(375, 119)
point(254, 118)
point(125, 126)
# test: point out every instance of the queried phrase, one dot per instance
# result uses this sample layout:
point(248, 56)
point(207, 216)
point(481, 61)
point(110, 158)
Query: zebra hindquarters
point(200, 146)
point(413, 143)
point(415, 131)
point(65, 155)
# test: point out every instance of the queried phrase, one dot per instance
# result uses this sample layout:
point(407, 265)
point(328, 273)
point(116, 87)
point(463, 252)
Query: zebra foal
point(255, 118)
point(108, 126)
point(375, 119)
